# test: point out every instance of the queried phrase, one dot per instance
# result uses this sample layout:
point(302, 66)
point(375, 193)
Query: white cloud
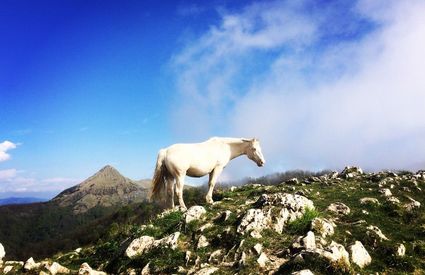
point(7, 174)
point(355, 101)
point(4, 147)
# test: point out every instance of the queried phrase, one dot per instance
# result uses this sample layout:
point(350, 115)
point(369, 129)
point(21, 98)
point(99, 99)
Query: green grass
point(302, 225)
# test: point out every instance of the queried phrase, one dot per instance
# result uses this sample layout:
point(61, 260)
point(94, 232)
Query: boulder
point(339, 208)
point(255, 220)
point(336, 253)
point(323, 227)
point(85, 269)
point(258, 248)
point(412, 205)
point(359, 255)
point(146, 243)
point(139, 246)
point(194, 213)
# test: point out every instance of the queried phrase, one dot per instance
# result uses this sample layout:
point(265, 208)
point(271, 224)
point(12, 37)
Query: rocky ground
point(341, 223)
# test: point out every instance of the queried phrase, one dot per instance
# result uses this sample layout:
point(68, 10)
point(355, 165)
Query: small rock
point(2, 252)
point(339, 208)
point(323, 227)
point(392, 200)
point(30, 264)
point(374, 230)
point(401, 250)
point(386, 192)
point(412, 205)
point(56, 268)
point(351, 172)
point(85, 269)
point(194, 213)
point(233, 188)
point(262, 260)
point(303, 272)
point(309, 241)
point(367, 200)
point(202, 242)
point(146, 269)
point(359, 255)
point(215, 257)
point(7, 269)
point(207, 271)
point(258, 248)
point(205, 226)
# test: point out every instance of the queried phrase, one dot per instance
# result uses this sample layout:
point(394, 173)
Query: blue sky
point(321, 83)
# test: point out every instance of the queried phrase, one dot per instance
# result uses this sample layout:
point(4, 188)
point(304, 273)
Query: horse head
point(254, 152)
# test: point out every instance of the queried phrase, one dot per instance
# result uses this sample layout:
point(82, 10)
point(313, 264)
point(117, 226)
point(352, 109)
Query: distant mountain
point(105, 188)
point(20, 200)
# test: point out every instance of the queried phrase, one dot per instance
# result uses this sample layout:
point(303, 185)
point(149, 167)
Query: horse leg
point(211, 183)
point(179, 190)
point(170, 191)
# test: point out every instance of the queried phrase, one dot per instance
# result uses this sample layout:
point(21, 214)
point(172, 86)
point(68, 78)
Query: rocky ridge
point(339, 223)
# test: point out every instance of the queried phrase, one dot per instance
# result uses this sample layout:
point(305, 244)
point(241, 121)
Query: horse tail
point(159, 178)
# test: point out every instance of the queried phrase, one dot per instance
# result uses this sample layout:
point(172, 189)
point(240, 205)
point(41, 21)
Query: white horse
point(197, 160)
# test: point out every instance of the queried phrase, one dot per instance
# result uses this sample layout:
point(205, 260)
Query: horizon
point(322, 84)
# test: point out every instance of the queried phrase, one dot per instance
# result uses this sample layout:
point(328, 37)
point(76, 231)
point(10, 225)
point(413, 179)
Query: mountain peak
point(106, 187)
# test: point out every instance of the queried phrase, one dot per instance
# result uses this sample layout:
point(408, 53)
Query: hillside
point(77, 216)
point(340, 223)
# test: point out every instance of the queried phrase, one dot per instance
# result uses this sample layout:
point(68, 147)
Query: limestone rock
point(367, 200)
point(386, 192)
point(309, 241)
point(412, 205)
point(7, 269)
point(255, 220)
point(323, 227)
point(2, 253)
point(291, 207)
point(339, 208)
point(351, 172)
point(202, 242)
point(392, 200)
point(139, 246)
point(207, 271)
point(374, 231)
point(258, 248)
point(303, 272)
point(336, 252)
point(262, 260)
point(146, 243)
point(146, 270)
point(56, 268)
point(294, 202)
point(30, 264)
point(85, 269)
point(194, 213)
point(169, 241)
point(401, 250)
point(359, 255)
point(215, 256)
